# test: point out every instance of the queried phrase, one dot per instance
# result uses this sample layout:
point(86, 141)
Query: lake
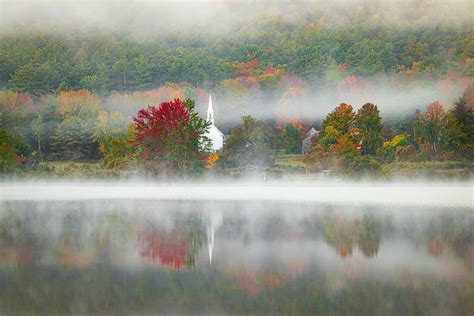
point(196, 256)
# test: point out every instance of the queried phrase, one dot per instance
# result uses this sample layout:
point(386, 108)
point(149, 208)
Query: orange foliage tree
point(429, 127)
point(211, 160)
point(73, 137)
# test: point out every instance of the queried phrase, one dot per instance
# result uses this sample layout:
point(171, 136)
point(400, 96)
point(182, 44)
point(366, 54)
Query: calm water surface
point(130, 257)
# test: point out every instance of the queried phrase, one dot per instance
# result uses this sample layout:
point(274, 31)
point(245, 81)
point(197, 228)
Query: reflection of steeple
point(215, 220)
point(210, 240)
point(213, 133)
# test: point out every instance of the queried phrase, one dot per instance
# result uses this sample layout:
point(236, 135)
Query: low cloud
point(157, 18)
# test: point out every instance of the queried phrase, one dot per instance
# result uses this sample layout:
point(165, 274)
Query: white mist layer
point(402, 194)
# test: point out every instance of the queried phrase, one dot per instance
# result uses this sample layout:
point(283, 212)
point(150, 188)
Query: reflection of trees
point(454, 233)
point(469, 257)
point(76, 239)
point(168, 248)
point(100, 290)
point(435, 247)
point(343, 234)
point(436, 235)
point(233, 225)
point(17, 238)
point(463, 244)
point(77, 245)
point(274, 226)
point(340, 234)
point(110, 288)
point(113, 230)
point(175, 248)
point(369, 235)
point(254, 281)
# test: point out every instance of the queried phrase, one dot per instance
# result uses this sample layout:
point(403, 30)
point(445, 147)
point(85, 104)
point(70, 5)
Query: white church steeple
point(213, 133)
point(210, 111)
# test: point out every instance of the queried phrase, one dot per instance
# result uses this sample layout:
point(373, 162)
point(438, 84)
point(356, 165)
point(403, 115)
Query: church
point(213, 133)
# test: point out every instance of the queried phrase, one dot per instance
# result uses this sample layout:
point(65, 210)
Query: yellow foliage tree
point(211, 160)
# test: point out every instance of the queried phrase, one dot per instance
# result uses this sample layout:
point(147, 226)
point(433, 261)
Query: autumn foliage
point(211, 160)
point(170, 137)
point(81, 102)
point(167, 120)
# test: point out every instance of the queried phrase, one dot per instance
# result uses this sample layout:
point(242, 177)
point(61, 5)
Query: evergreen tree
point(141, 72)
point(369, 123)
point(251, 143)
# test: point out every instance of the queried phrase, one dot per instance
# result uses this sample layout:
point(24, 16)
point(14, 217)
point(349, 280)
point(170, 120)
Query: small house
point(308, 140)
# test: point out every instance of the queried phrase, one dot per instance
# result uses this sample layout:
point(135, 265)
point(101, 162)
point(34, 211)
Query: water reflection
point(213, 222)
point(132, 257)
point(175, 246)
point(343, 234)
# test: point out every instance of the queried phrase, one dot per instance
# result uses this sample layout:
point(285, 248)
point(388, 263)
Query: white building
point(308, 140)
point(213, 133)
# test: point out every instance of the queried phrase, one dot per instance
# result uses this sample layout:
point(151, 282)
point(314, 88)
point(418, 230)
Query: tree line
point(170, 137)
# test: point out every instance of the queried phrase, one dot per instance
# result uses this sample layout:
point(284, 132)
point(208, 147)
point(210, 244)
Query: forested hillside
point(72, 83)
point(255, 53)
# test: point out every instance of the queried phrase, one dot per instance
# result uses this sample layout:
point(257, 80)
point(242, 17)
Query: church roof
point(311, 133)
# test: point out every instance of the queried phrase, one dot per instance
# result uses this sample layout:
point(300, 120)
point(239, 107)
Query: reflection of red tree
point(169, 250)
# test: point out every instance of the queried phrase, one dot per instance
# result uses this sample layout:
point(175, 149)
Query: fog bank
point(219, 17)
point(418, 194)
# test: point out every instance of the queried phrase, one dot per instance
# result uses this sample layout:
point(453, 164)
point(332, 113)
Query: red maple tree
point(171, 137)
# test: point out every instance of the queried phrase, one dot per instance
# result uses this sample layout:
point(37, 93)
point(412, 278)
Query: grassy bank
point(288, 167)
point(68, 169)
point(429, 169)
point(292, 165)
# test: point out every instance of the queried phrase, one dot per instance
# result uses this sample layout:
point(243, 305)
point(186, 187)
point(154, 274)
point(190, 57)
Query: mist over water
point(141, 256)
point(376, 193)
point(255, 246)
